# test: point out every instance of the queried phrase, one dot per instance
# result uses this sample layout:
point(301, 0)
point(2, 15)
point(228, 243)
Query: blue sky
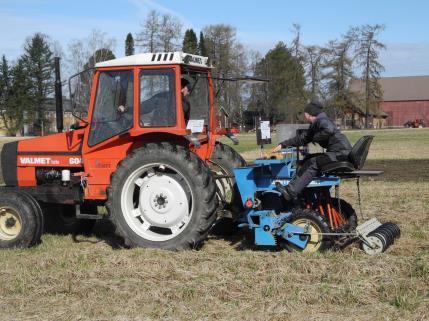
point(260, 24)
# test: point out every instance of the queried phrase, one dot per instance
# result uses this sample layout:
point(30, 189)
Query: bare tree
point(313, 62)
point(229, 58)
point(85, 51)
point(159, 33)
point(97, 41)
point(296, 47)
point(147, 39)
point(339, 66)
point(170, 33)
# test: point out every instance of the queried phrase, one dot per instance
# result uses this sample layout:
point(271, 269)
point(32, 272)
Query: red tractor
point(156, 166)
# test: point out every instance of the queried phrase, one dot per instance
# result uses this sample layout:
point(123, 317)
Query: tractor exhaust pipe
point(58, 95)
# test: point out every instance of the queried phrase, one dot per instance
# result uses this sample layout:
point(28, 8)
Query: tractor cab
point(145, 93)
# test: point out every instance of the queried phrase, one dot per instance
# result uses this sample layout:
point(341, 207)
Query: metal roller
point(381, 238)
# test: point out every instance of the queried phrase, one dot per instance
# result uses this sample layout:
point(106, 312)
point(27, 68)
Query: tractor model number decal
point(75, 161)
point(57, 161)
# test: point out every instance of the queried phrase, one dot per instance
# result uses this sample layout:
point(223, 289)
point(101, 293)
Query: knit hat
point(185, 83)
point(314, 108)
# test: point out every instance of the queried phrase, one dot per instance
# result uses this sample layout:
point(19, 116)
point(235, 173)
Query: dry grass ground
point(89, 279)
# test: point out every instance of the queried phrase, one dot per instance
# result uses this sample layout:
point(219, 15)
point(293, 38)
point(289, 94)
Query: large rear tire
point(21, 222)
point(223, 161)
point(162, 196)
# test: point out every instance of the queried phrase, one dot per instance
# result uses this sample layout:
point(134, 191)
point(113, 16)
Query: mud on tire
point(162, 196)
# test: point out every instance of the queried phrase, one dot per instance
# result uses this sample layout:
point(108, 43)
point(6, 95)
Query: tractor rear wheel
point(162, 196)
point(21, 222)
point(315, 225)
point(223, 162)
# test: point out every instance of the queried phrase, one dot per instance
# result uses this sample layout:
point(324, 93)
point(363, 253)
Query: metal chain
point(359, 198)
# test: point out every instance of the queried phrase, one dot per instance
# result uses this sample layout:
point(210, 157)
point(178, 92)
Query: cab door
point(107, 136)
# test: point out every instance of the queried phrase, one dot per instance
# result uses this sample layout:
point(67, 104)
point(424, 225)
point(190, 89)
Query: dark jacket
point(324, 132)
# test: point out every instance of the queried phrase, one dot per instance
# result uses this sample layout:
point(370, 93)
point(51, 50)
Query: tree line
point(297, 73)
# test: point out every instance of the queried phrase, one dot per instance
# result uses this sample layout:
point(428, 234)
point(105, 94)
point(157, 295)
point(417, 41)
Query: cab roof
point(159, 58)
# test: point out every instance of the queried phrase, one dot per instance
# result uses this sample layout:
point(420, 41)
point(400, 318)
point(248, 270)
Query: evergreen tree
point(4, 82)
point(190, 42)
point(202, 49)
point(14, 96)
point(339, 65)
point(5, 92)
point(281, 98)
point(38, 62)
point(129, 45)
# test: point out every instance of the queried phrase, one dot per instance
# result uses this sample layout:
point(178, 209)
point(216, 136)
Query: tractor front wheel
point(21, 221)
point(162, 196)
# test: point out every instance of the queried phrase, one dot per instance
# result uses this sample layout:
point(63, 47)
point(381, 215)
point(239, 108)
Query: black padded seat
point(335, 167)
point(356, 158)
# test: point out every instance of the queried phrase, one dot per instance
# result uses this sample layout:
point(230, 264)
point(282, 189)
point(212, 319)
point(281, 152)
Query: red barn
point(404, 98)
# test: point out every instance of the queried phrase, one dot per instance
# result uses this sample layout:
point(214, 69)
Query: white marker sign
point(196, 125)
point(265, 129)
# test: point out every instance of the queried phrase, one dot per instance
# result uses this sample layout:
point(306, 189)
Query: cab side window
point(157, 98)
point(113, 110)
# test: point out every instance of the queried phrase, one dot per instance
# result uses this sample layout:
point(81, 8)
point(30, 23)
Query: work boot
point(285, 192)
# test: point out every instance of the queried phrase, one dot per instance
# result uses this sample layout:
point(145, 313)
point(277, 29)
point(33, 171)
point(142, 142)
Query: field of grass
point(89, 278)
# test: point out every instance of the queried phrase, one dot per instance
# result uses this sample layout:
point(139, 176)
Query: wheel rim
point(10, 223)
point(156, 201)
point(314, 230)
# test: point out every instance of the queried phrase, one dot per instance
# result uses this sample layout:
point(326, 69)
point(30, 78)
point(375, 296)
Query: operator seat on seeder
point(356, 160)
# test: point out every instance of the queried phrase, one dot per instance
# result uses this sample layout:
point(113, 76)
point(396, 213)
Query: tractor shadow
point(240, 239)
point(103, 231)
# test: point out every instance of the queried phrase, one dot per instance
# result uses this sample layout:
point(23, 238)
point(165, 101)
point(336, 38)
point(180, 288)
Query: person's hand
point(276, 149)
point(121, 109)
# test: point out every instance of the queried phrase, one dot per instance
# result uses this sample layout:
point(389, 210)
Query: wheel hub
point(162, 201)
point(10, 223)
point(312, 229)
